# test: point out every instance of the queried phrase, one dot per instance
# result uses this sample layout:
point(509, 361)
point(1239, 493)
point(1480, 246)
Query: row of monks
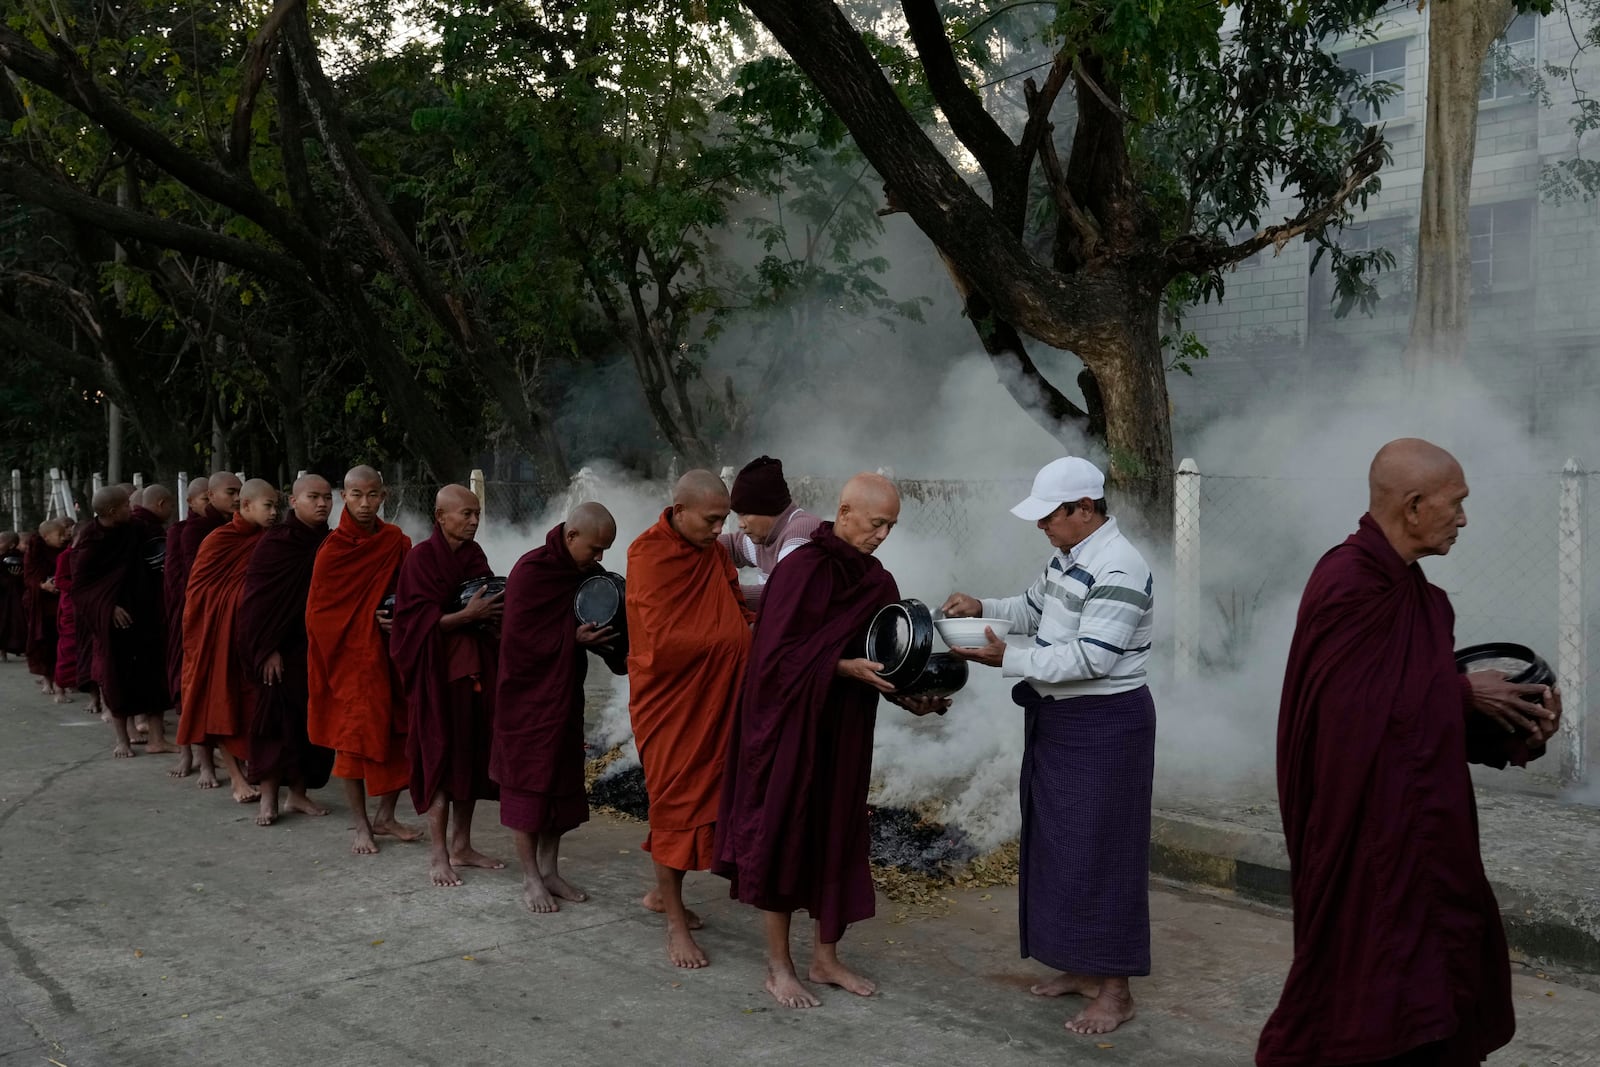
point(295, 652)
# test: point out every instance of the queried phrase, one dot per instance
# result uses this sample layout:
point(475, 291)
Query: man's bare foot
point(185, 765)
point(560, 887)
point(122, 750)
point(473, 858)
point(62, 698)
point(159, 747)
point(537, 898)
point(786, 989)
point(652, 902)
point(1104, 1014)
point(396, 829)
point(244, 792)
point(1067, 985)
point(836, 973)
point(683, 951)
point(208, 778)
point(363, 844)
point(304, 806)
point(441, 873)
point(267, 813)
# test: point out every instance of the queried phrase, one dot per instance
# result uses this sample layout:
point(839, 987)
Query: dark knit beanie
point(760, 489)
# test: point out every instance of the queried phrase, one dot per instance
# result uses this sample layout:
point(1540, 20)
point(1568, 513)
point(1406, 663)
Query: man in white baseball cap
point(1089, 762)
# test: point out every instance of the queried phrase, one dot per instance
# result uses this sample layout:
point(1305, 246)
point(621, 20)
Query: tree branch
point(255, 73)
point(962, 107)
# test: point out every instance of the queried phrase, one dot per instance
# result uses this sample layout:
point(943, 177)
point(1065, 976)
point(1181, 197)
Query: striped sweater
point(793, 529)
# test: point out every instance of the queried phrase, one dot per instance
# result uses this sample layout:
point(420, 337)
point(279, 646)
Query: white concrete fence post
point(16, 499)
point(97, 482)
point(1186, 568)
point(476, 483)
point(183, 495)
point(138, 479)
point(1571, 638)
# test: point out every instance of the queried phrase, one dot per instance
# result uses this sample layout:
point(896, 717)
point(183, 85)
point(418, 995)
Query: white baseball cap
point(1059, 482)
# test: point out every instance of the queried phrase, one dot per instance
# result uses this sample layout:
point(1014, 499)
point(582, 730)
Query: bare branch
point(255, 73)
point(962, 107)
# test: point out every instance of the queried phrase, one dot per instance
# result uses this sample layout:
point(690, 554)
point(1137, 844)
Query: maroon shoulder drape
point(449, 679)
point(1398, 941)
point(38, 566)
point(108, 572)
point(272, 619)
point(183, 543)
point(792, 831)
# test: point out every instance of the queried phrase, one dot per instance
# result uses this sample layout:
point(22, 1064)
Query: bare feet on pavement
point(208, 778)
point(267, 813)
point(683, 951)
point(159, 747)
point(122, 750)
point(561, 888)
point(652, 902)
point(244, 792)
point(304, 805)
point(1067, 985)
point(1104, 1014)
point(363, 844)
point(396, 829)
point(835, 973)
point(473, 858)
point(537, 898)
point(785, 987)
point(442, 874)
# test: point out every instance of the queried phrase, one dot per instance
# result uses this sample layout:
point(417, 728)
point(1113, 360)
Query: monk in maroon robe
point(269, 638)
point(1399, 955)
point(66, 631)
point(538, 756)
point(205, 518)
point(175, 576)
point(154, 508)
point(447, 660)
point(792, 831)
point(39, 599)
point(117, 609)
point(13, 621)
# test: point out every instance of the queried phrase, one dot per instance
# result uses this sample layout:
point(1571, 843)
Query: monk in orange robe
point(356, 705)
point(689, 637)
point(217, 691)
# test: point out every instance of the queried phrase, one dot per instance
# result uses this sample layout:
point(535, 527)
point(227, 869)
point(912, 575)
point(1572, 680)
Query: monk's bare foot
point(396, 829)
point(267, 813)
point(304, 806)
point(158, 747)
point(1104, 1014)
point(185, 765)
point(244, 792)
point(122, 750)
point(62, 698)
point(835, 973)
point(473, 858)
point(208, 779)
point(1067, 985)
point(652, 902)
point(560, 887)
point(683, 951)
point(537, 898)
point(441, 873)
point(786, 989)
point(363, 844)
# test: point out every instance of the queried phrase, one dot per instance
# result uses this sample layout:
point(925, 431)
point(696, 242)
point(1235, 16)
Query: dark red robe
point(449, 679)
point(1398, 942)
point(183, 542)
point(39, 565)
point(108, 572)
point(792, 831)
point(66, 624)
point(217, 692)
point(13, 619)
point(538, 757)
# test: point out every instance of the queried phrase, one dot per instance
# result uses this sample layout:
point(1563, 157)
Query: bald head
point(363, 497)
point(362, 476)
point(222, 493)
point(311, 499)
point(699, 507)
point(590, 530)
point(1416, 495)
point(110, 505)
point(197, 490)
point(869, 508)
point(457, 511)
point(159, 501)
point(136, 498)
point(9, 540)
point(258, 501)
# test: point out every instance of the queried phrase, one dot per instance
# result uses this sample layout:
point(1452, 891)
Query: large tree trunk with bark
point(1460, 34)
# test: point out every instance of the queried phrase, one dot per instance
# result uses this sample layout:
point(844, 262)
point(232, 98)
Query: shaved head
point(306, 482)
point(363, 496)
point(362, 475)
point(160, 502)
point(869, 508)
point(223, 492)
point(197, 488)
point(257, 489)
point(311, 498)
point(109, 502)
point(9, 539)
point(258, 501)
point(1417, 492)
point(700, 508)
point(136, 498)
point(457, 511)
point(699, 486)
point(590, 531)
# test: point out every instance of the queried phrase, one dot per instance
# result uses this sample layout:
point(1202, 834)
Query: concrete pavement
point(144, 922)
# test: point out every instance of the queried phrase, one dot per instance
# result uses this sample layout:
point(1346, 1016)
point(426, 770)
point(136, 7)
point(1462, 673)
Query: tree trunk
point(1460, 34)
point(1128, 367)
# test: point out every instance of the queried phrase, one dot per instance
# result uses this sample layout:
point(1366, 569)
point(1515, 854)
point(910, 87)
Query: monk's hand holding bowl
point(864, 671)
point(590, 635)
point(961, 606)
point(272, 670)
point(922, 705)
point(120, 618)
point(482, 609)
point(1513, 706)
point(48, 585)
point(992, 654)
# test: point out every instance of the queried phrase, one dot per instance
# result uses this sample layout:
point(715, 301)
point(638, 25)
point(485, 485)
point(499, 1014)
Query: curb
point(1544, 927)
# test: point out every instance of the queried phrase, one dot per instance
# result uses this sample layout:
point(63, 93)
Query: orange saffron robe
point(217, 693)
point(688, 640)
point(356, 705)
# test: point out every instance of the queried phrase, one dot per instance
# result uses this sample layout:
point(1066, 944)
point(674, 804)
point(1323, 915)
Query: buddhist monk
point(270, 639)
point(447, 658)
point(117, 603)
point(1399, 955)
point(688, 636)
point(538, 757)
point(355, 703)
point(39, 599)
point(154, 507)
point(67, 631)
point(216, 690)
point(792, 831)
point(13, 620)
point(770, 524)
point(174, 580)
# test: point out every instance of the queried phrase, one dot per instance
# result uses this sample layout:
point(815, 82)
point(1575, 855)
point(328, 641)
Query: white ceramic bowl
point(968, 633)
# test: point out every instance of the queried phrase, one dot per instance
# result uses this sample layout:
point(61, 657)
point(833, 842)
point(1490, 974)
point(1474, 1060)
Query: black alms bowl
point(155, 554)
point(490, 585)
point(900, 637)
point(1520, 664)
point(602, 601)
point(12, 564)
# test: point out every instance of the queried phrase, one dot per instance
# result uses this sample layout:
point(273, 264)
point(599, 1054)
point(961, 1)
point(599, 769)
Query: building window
point(1508, 72)
point(1395, 285)
point(1502, 245)
point(1379, 64)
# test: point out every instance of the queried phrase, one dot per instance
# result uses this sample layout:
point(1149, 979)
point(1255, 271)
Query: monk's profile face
point(758, 527)
point(312, 502)
point(57, 536)
point(1437, 517)
point(223, 496)
point(699, 519)
point(261, 510)
point(363, 500)
point(588, 546)
point(867, 523)
point(458, 516)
